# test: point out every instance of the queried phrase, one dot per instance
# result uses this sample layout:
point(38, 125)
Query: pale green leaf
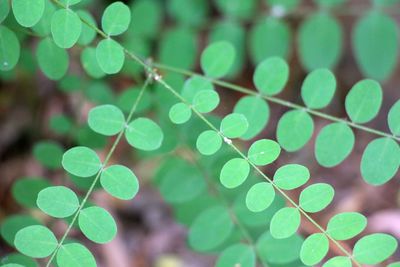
point(394, 118)
point(180, 113)
point(120, 182)
point(209, 142)
point(53, 60)
point(375, 248)
point(58, 201)
point(291, 176)
point(237, 254)
point(75, 254)
point(66, 28)
point(234, 172)
point(263, 152)
point(346, 225)
point(116, 18)
point(339, 261)
point(217, 59)
point(9, 49)
point(110, 56)
point(28, 12)
point(144, 134)
point(260, 196)
point(35, 241)
point(271, 76)
point(285, 223)
point(106, 120)
point(234, 125)
point(318, 88)
point(314, 249)
point(316, 197)
point(205, 101)
point(81, 161)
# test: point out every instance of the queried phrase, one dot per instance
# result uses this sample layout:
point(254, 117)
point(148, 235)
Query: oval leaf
point(58, 201)
point(285, 223)
point(144, 134)
point(206, 101)
point(339, 261)
point(209, 142)
point(75, 254)
point(260, 196)
point(364, 101)
point(291, 176)
point(394, 118)
point(66, 28)
point(35, 241)
point(217, 59)
point(106, 120)
point(318, 88)
point(294, 130)
point(116, 18)
point(110, 56)
point(314, 249)
point(316, 197)
point(180, 113)
point(53, 60)
point(120, 182)
point(334, 144)
point(9, 49)
point(346, 225)
point(271, 76)
point(263, 152)
point(234, 172)
point(28, 12)
point(237, 254)
point(375, 248)
point(97, 224)
point(81, 161)
point(379, 170)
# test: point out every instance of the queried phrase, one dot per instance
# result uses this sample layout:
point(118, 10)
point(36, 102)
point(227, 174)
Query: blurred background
point(42, 114)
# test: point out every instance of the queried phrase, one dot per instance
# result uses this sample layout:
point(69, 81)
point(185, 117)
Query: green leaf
point(90, 64)
point(364, 101)
point(120, 182)
point(235, 33)
point(320, 41)
point(12, 224)
point(379, 170)
point(279, 251)
point(339, 261)
point(144, 134)
point(26, 190)
point(375, 44)
point(128, 97)
point(110, 56)
point(346, 225)
point(237, 255)
point(178, 48)
point(334, 144)
point(394, 264)
point(285, 223)
point(294, 130)
point(291, 176)
point(4, 9)
point(88, 34)
point(18, 259)
point(210, 229)
point(180, 113)
point(195, 85)
point(318, 88)
point(316, 197)
point(217, 59)
point(394, 118)
point(209, 142)
point(270, 37)
point(256, 111)
point(234, 172)
point(49, 154)
point(314, 249)
point(35, 241)
point(97, 224)
point(263, 152)
point(106, 120)
point(234, 125)
point(75, 254)
point(189, 13)
point(53, 60)
point(260, 196)
point(58, 201)
point(60, 124)
point(116, 19)
point(288, 5)
point(237, 9)
point(375, 248)
point(146, 18)
point(81, 161)
point(176, 190)
point(330, 3)
point(206, 101)
point(28, 12)
point(271, 76)
point(69, 3)
point(9, 49)
point(66, 28)
point(43, 27)
point(12, 265)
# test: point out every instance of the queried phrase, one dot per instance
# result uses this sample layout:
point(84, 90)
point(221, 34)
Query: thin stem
point(278, 101)
point(108, 157)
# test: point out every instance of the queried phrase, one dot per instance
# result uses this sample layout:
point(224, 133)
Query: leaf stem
point(278, 101)
point(108, 157)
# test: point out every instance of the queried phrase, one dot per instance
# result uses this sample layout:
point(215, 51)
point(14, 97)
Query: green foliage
point(229, 211)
